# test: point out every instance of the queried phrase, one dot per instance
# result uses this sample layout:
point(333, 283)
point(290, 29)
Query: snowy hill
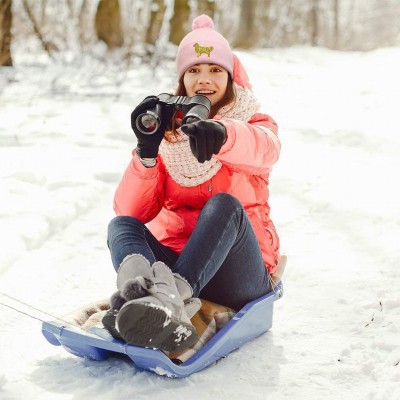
point(65, 140)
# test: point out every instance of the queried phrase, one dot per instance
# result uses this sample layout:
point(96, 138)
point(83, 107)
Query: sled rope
point(21, 312)
point(29, 306)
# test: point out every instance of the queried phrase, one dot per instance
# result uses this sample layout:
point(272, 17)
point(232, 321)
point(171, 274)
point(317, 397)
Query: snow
point(65, 140)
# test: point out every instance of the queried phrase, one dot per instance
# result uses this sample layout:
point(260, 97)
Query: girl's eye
point(192, 70)
point(216, 69)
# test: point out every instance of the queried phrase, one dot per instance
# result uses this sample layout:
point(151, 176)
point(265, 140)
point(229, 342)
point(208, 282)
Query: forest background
point(148, 30)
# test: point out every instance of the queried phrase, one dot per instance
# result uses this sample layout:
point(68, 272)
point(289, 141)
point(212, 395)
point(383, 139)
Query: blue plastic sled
point(251, 321)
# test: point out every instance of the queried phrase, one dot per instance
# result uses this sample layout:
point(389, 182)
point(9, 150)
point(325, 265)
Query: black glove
point(206, 138)
point(147, 145)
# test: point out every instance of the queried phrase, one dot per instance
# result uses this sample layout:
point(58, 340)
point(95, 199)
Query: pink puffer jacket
point(171, 210)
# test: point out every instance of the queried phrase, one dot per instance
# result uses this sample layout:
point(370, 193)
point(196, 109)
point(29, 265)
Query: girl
point(192, 207)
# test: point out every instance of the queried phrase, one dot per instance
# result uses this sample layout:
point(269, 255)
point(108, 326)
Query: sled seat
point(251, 321)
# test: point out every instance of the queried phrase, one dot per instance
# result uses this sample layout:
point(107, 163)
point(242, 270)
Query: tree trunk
point(108, 23)
point(179, 21)
point(314, 23)
point(156, 20)
point(207, 7)
point(47, 45)
point(247, 35)
point(5, 33)
point(82, 24)
point(336, 23)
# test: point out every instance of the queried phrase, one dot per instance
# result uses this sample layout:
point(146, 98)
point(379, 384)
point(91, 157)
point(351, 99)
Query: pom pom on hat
point(203, 21)
point(203, 45)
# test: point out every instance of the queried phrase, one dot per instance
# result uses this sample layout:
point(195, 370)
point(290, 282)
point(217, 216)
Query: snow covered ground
point(65, 140)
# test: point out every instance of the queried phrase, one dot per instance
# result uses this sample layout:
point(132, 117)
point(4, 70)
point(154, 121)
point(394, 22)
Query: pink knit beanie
point(203, 45)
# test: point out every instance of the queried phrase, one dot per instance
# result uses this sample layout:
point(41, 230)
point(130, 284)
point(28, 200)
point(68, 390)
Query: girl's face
point(210, 80)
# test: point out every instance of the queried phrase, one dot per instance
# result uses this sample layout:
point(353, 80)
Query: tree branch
point(36, 29)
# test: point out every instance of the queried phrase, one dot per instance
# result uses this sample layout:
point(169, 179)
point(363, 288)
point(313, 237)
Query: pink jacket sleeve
point(251, 146)
point(140, 193)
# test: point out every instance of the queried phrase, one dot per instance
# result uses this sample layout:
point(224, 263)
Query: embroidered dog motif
point(202, 50)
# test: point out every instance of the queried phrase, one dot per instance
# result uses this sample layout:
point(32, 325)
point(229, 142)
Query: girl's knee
point(224, 200)
point(114, 223)
point(222, 205)
point(122, 222)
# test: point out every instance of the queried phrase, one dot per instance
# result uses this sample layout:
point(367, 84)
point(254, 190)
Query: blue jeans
point(222, 260)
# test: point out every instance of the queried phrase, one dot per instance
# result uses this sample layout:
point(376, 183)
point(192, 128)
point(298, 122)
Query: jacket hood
point(240, 76)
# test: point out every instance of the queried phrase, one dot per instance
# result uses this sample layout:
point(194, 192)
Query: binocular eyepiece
point(194, 109)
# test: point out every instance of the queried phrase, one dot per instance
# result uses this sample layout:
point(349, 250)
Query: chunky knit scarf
point(182, 165)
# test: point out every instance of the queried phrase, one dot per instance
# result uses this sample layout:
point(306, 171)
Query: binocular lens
point(148, 123)
point(190, 120)
point(198, 112)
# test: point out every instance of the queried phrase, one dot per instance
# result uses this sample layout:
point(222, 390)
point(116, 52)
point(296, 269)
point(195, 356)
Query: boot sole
point(145, 325)
point(109, 323)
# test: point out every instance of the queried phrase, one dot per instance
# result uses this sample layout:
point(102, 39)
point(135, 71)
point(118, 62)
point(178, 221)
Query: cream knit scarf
point(182, 165)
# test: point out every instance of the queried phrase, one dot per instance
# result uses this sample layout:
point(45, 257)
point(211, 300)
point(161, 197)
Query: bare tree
point(247, 34)
point(336, 28)
point(314, 22)
point(82, 17)
point(178, 23)
point(5, 33)
point(47, 45)
point(207, 7)
point(108, 23)
point(156, 20)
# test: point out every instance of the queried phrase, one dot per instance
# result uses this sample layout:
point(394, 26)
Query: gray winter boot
point(134, 280)
point(158, 320)
point(135, 267)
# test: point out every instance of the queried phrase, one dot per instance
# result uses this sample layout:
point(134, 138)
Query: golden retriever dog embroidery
point(202, 50)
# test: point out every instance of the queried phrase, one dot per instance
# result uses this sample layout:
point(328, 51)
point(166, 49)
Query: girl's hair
point(228, 99)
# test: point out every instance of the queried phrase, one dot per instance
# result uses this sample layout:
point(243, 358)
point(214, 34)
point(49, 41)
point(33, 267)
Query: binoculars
point(194, 109)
